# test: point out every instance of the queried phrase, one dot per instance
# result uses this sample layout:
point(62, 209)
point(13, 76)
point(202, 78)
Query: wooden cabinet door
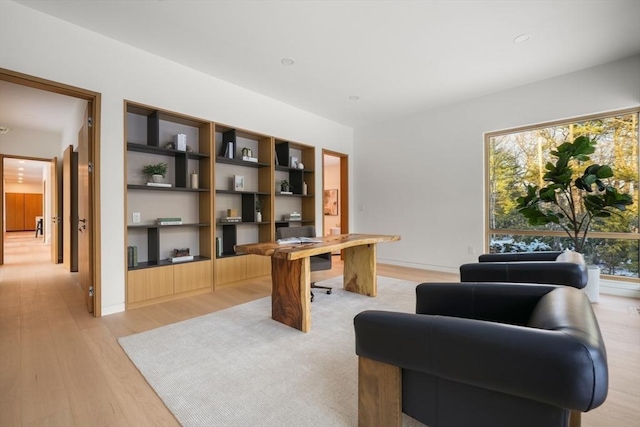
point(32, 209)
point(15, 211)
point(192, 276)
point(149, 283)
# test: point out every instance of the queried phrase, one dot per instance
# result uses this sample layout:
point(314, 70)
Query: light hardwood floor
point(61, 367)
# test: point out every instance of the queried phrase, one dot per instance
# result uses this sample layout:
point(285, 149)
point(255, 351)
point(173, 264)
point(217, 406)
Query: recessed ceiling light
point(354, 98)
point(521, 38)
point(20, 169)
point(287, 61)
point(20, 174)
point(20, 161)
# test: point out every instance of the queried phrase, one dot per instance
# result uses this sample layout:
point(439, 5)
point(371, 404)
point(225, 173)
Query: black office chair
point(316, 262)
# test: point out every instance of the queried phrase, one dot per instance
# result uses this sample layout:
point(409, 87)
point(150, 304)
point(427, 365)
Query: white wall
point(422, 176)
point(43, 46)
point(30, 143)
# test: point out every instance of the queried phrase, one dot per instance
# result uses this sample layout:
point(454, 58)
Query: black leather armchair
point(482, 354)
point(316, 262)
point(529, 267)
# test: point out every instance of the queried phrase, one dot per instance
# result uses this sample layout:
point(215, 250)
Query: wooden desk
point(290, 272)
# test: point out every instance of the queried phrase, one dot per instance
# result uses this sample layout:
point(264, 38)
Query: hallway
point(22, 247)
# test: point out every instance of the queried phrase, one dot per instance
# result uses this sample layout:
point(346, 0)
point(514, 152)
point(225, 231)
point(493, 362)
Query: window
point(518, 157)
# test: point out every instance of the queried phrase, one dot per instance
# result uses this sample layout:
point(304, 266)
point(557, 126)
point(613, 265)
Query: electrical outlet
point(136, 217)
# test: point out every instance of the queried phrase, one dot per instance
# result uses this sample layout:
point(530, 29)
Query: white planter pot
point(258, 216)
point(156, 178)
point(592, 290)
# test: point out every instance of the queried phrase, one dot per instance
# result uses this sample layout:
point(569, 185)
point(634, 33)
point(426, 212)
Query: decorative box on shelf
point(181, 255)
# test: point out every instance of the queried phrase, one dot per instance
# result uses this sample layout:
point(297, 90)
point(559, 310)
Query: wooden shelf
point(164, 262)
point(150, 149)
point(146, 226)
point(152, 188)
point(258, 193)
point(243, 163)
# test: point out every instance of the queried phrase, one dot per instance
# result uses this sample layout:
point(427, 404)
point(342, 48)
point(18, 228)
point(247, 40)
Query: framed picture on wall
point(330, 202)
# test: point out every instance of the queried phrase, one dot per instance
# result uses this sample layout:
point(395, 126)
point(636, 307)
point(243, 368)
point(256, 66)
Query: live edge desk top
point(290, 271)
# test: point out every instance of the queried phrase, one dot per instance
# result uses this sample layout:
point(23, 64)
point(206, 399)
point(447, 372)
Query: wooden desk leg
point(291, 292)
point(379, 394)
point(360, 270)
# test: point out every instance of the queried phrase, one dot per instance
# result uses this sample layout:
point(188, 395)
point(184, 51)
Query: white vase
point(258, 216)
point(157, 178)
point(592, 290)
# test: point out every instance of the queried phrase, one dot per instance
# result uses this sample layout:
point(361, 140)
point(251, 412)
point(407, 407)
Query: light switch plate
point(136, 217)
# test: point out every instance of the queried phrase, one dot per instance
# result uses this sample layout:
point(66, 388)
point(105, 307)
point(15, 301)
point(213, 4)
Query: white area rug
point(238, 367)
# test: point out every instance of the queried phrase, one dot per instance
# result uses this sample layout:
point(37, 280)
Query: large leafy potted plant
point(569, 199)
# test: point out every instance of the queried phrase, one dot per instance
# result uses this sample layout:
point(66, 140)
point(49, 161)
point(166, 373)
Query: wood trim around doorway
point(94, 105)
point(344, 187)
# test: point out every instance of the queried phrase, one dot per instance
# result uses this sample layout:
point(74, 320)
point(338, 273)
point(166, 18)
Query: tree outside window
point(518, 158)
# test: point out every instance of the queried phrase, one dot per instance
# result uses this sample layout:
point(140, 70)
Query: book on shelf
point(227, 220)
point(228, 149)
point(158, 184)
point(181, 258)
point(294, 216)
point(218, 247)
point(296, 240)
point(250, 159)
point(132, 256)
point(169, 221)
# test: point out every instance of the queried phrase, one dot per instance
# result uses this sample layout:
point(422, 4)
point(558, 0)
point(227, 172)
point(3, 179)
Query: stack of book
point(231, 219)
point(294, 216)
point(169, 221)
point(158, 184)
point(132, 256)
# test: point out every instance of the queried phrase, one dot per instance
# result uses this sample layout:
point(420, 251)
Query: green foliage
point(157, 169)
point(259, 204)
point(569, 200)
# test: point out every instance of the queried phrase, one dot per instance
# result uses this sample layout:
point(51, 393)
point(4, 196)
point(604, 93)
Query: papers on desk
point(296, 240)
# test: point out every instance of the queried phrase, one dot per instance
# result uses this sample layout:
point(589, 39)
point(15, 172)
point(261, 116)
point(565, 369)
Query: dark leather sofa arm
point(496, 302)
point(520, 256)
point(551, 272)
point(495, 356)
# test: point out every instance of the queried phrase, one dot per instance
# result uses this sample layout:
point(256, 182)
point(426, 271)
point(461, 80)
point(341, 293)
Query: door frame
point(343, 194)
point(94, 105)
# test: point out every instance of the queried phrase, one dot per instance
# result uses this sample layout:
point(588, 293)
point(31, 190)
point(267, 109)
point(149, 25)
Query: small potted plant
point(157, 172)
point(258, 210)
point(284, 186)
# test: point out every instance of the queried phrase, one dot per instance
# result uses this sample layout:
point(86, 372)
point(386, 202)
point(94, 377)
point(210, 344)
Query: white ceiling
point(24, 171)
point(398, 57)
point(26, 108)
